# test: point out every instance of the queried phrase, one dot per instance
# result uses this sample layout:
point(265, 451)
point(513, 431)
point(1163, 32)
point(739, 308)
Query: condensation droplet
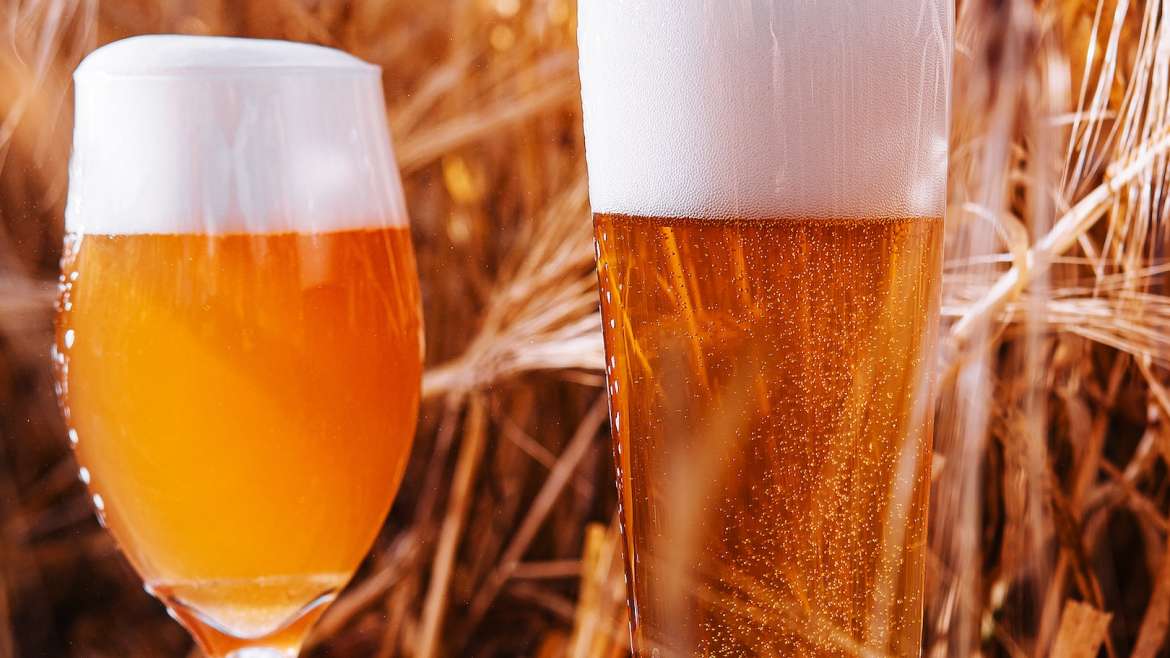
point(73, 436)
point(69, 338)
point(99, 503)
point(83, 475)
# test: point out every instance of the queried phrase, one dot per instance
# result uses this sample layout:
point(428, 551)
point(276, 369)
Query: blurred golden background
point(1050, 501)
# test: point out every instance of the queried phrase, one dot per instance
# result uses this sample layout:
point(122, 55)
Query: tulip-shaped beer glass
point(768, 182)
point(238, 343)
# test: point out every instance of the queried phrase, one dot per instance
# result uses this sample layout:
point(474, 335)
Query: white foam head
point(766, 108)
point(178, 134)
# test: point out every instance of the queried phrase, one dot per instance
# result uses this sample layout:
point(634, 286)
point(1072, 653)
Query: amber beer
point(769, 381)
point(243, 407)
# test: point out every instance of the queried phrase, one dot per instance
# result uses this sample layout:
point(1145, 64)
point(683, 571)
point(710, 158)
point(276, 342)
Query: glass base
point(256, 627)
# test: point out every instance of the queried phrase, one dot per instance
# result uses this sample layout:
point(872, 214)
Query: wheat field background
point(1051, 496)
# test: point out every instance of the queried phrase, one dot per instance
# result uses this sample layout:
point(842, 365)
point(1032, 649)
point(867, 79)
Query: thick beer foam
point(766, 108)
point(178, 134)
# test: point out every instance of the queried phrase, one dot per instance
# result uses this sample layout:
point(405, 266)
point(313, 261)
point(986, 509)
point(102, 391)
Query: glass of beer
point(238, 347)
point(768, 179)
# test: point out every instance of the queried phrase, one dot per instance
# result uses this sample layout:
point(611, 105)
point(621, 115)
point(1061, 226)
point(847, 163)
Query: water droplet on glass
point(69, 337)
point(83, 475)
point(73, 436)
point(99, 503)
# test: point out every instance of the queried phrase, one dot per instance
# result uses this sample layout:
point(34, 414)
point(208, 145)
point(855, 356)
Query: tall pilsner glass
point(768, 182)
point(238, 342)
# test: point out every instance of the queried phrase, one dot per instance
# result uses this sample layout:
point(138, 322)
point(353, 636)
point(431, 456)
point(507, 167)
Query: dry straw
point(1049, 529)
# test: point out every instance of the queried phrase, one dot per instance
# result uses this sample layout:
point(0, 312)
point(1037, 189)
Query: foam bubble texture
point(766, 108)
point(177, 134)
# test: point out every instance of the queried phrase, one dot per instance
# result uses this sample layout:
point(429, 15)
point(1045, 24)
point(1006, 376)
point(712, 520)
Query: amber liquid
point(243, 407)
point(770, 398)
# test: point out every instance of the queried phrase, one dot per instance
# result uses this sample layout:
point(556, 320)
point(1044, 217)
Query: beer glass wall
point(768, 182)
point(239, 335)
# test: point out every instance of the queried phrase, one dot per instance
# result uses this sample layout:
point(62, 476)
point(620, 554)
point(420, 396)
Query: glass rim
point(212, 73)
